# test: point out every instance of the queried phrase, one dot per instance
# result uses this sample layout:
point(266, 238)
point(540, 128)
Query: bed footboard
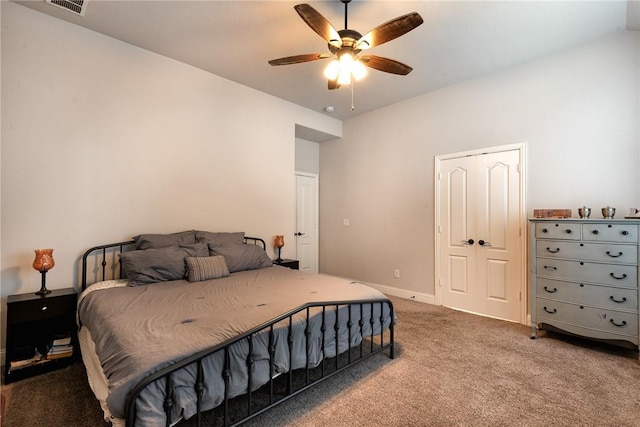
point(376, 334)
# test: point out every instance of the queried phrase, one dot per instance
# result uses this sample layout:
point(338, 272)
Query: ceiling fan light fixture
point(332, 70)
point(346, 67)
point(359, 71)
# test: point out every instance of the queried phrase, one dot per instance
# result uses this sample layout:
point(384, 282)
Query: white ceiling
point(458, 40)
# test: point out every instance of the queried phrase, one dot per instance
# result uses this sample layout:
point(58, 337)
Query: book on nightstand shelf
point(60, 347)
point(34, 360)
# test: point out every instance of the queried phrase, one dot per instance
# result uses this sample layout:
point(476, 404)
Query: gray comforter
point(139, 330)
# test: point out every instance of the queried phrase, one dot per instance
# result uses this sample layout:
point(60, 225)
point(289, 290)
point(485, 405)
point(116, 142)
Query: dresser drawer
point(602, 252)
point(603, 232)
point(551, 230)
point(585, 294)
point(41, 309)
point(600, 319)
point(589, 272)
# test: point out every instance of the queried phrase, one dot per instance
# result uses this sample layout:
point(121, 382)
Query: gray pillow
point(206, 268)
point(241, 257)
point(159, 264)
point(220, 238)
point(154, 241)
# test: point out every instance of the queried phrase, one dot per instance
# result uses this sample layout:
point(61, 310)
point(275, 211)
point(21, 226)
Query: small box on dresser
point(41, 333)
point(584, 278)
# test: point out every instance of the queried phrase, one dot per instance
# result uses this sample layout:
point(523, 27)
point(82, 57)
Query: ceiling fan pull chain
point(353, 83)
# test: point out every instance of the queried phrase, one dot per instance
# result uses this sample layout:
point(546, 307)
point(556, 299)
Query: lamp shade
point(279, 241)
point(44, 260)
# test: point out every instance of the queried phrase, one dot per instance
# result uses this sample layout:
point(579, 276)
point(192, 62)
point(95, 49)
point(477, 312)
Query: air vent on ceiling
point(75, 6)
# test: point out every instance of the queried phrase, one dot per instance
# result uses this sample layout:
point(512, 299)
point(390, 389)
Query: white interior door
point(307, 222)
point(481, 245)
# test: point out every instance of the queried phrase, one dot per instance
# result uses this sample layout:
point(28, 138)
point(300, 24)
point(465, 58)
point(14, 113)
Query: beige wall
point(102, 140)
point(577, 111)
point(307, 156)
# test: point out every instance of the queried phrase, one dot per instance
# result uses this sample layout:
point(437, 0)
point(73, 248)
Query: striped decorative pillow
point(206, 268)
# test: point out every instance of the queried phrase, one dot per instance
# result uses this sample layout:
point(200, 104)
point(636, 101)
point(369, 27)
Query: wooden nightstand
point(293, 264)
point(34, 324)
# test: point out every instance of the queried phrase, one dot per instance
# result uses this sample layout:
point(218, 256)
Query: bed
point(173, 326)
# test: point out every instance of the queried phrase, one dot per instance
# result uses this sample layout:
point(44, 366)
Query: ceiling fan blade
point(389, 30)
point(333, 84)
point(385, 64)
point(297, 59)
point(319, 24)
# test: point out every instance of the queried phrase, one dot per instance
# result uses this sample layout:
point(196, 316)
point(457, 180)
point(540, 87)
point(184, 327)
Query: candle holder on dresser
point(608, 212)
point(584, 212)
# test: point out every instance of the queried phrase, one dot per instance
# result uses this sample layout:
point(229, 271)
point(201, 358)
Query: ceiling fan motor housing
point(349, 40)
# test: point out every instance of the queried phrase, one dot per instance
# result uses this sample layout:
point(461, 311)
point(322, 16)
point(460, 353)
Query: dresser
point(584, 278)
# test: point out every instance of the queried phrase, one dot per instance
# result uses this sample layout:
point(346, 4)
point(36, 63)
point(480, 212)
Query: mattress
point(139, 330)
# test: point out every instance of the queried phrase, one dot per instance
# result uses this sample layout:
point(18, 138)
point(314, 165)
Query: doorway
point(307, 221)
point(481, 232)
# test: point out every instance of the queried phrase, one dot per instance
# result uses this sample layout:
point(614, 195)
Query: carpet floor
point(451, 369)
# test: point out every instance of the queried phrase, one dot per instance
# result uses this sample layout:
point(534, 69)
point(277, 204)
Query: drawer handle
point(44, 307)
point(553, 291)
point(544, 230)
point(595, 232)
point(568, 231)
point(624, 323)
point(624, 276)
point(624, 299)
point(625, 233)
point(550, 311)
point(550, 267)
point(553, 251)
point(614, 256)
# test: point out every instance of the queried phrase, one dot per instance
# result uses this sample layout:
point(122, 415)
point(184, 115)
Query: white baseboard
point(403, 293)
point(396, 292)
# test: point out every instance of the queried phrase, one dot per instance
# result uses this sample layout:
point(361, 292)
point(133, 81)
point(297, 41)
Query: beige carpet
point(451, 369)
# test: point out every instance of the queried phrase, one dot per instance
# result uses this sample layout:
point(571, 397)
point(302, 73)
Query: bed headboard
point(102, 262)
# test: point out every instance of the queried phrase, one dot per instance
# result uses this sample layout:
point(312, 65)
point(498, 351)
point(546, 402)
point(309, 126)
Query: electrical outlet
point(345, 222)
point(396, 273)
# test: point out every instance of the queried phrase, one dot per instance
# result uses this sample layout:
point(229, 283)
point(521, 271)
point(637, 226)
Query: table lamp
point(279, 243)
point(43, 263)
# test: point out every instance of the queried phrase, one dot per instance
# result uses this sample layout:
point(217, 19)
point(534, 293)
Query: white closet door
point(307, 222)
point(458, 237)
point(480, 243)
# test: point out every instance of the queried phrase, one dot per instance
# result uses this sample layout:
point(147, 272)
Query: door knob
point(470, 242)
point(298, 234)
point(483, 243)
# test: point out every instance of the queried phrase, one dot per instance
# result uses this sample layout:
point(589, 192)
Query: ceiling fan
point(346, 45)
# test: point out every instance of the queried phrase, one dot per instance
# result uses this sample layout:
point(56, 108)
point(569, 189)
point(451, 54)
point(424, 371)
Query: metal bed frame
point(274, 392)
